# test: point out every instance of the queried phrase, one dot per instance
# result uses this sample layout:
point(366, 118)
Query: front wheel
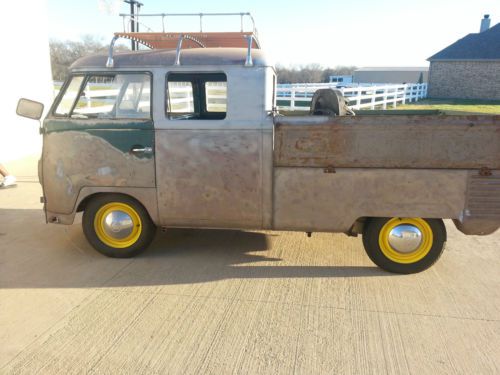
point(404, 245)
point(117, 226)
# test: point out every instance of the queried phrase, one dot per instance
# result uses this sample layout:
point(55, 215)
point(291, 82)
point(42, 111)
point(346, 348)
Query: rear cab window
point(106, 96)
point(196, 96)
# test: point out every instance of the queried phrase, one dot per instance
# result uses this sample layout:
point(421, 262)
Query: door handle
point(142, 150)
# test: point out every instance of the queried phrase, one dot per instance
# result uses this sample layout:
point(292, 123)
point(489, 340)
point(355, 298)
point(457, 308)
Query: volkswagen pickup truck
point(185, 137)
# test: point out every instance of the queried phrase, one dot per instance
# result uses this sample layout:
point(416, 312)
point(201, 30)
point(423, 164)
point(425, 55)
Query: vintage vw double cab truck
point(190, 137)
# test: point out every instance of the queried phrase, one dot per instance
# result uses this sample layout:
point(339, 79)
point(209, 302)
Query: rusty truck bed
point(388, 141)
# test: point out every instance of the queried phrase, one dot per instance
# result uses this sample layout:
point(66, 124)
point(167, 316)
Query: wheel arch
point(117, 225)
point(146, 197)
point(390, 257)
point(82, 205)
point(358, 226)
point(361, 222)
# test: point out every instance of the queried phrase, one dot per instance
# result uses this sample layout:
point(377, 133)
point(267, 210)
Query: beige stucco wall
point(465, 80)
point(26, 64)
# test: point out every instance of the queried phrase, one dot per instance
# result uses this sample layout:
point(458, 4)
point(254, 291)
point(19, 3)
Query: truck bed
point(428, 141)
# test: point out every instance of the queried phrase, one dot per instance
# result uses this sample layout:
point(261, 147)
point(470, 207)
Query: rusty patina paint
point(482, 208)
point(74, 159)
point(309, 199)
point(210, 178)
point(448, 142)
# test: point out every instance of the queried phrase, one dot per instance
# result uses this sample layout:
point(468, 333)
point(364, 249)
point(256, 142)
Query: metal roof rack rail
point(250, 39)
point(179, 47)
point(135, 17)
point(110, 62)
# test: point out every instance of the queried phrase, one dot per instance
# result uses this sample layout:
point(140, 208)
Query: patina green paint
point(123, 135)
point(125, 140)
point(65, 124)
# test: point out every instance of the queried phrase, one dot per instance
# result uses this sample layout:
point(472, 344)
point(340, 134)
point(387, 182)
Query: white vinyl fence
point(297, 97)
point(290, 97)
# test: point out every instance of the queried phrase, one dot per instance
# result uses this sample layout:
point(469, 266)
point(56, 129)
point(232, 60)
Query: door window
point(216, 96)
point(201, 96)
point(108, 96)
point(66, 104)
point(180, 99)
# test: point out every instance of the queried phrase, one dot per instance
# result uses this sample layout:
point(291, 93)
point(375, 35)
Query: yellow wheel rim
point(413, 256)
point(112, 233)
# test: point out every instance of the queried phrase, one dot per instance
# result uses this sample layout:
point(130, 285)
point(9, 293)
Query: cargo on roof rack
point(193, 40)
point(180, 40)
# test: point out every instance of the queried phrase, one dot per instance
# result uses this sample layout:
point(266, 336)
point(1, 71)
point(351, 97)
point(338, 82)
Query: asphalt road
point(243, 302)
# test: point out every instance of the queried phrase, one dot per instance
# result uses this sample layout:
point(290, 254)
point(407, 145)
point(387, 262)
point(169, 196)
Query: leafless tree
point(64, 53)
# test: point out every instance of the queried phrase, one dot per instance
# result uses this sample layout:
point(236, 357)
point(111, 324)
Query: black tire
point(374, 229)
point(142, 225)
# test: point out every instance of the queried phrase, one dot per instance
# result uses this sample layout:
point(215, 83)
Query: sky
point(329, 33)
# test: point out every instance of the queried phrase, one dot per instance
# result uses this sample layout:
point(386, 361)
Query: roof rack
point(135, 18)
point(164, 40)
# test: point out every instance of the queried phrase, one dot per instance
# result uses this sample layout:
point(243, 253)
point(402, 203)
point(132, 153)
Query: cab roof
point(166, 57)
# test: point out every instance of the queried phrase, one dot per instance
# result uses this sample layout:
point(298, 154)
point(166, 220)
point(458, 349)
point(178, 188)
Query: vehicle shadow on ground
point(36, 255)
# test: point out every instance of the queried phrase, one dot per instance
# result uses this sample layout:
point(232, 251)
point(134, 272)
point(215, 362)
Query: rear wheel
point(404, 245)
point(117, 226)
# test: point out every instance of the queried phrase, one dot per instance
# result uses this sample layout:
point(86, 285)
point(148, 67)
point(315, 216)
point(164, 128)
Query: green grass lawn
point(449, 106)
point(457, 105)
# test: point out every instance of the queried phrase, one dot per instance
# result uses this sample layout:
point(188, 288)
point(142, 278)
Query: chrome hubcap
point(405, 238)
point(118, 224)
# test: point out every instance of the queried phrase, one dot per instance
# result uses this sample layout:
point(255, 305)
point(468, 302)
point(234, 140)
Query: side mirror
point(29, 108)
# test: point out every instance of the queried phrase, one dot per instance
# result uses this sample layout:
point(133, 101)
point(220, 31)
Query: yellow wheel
point(404, 245)
point(117, 225)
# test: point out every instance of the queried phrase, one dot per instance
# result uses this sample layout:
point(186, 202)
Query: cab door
point(209, 160)
point(99, 133)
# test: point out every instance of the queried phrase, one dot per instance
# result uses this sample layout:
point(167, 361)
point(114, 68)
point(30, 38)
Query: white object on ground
point(8, 181)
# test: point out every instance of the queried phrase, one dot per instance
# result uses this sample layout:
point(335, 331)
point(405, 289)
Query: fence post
point(405, 87)
point(292, 99)
point(374, 93)
point(384, 105)
point(87, 97)
point(358, 99)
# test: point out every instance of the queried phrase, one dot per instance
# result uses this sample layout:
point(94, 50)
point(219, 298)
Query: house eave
point(467, 60)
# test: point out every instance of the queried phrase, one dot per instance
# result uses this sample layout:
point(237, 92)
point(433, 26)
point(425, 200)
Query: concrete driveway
point(219, 302)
